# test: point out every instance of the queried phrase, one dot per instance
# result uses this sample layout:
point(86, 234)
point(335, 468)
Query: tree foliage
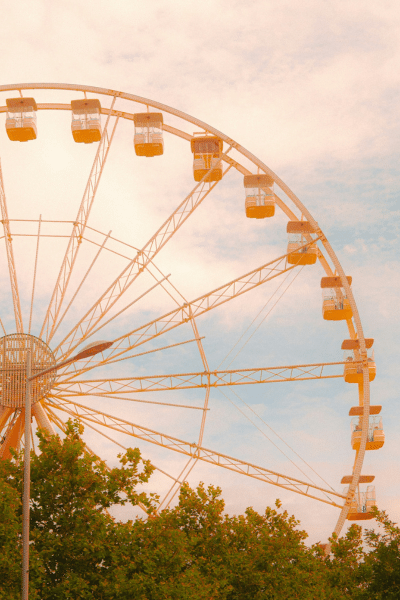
point(382, 564)
point(72, 533)
point(192, 551)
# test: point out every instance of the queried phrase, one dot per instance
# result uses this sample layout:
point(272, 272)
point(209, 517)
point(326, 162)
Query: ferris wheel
point(71, 283)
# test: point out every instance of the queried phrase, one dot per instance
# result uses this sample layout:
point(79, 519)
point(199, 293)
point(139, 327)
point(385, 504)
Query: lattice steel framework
point(57, 399)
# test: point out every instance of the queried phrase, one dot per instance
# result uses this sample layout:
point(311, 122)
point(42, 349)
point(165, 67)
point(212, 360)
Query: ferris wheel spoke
point(7, 417)
point(191, 463)
point(78, 371)
point(101, 247)
point(50, 323)
point(150, 289)
point(163, 282)
point(194, 451)
point(12, 438)
point(188, 310)
point(5, 413)
point(63, 427)
point(91, 394)
point(56, 420)
point(97, 312)
point(167, 286)
point(10, 258)
point(199, 341)
point(206, 368)
point(177, 484)
point(42, 419)
point(201, 379)
point(202, 304)
point(34, 273)
point(61, 424)
point(33, 442)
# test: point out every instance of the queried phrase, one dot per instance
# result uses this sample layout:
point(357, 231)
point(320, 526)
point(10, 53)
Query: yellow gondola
point(362, 505)
point(353, 372)
point(86, 124)
point(148, 139)
point(301, 249)
point(207, 152)
point(21, 119)
point(260, 197)
point(335, 304)
point(375, 437)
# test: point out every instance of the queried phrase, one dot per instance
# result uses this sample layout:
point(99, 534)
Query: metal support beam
point(130, 273)
point(194, 451)
point(201, 379)
point(10, 257)
point(50, 323)
point(189, 310)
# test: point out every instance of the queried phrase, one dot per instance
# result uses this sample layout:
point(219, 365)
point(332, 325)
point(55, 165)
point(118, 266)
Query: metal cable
point(269, 439)
point(34, 273)
point(253, 321)
point(253, 411)
point(268, 313)
point(286, 444)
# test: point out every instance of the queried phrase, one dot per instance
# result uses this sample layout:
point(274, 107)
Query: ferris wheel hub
point(14, 349)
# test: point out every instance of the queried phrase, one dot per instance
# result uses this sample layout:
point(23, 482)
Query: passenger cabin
point(148, 139)
point(86, 124)
point(207, 152)
point(375, 437)
point(335, 304)
point(362, 505)
point(301, 248)
point(353, 369)
point(260, 197)
point(21, 119)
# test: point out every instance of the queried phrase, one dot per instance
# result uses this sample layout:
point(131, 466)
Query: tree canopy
point(191, 551)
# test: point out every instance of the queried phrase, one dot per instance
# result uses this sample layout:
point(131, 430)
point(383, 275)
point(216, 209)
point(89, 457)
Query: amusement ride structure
point(76, 389)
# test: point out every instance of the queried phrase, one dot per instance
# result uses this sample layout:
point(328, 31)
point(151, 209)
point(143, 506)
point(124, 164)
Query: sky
point(311, 89)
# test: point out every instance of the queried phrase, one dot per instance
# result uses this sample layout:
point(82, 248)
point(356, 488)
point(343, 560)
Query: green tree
point(381, 569)
point(72, 533)
point(343, 565)
point(193, 551)
point(196, 551)
point(10, 530)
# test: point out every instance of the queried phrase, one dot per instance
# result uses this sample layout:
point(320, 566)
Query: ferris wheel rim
point(300, 206)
